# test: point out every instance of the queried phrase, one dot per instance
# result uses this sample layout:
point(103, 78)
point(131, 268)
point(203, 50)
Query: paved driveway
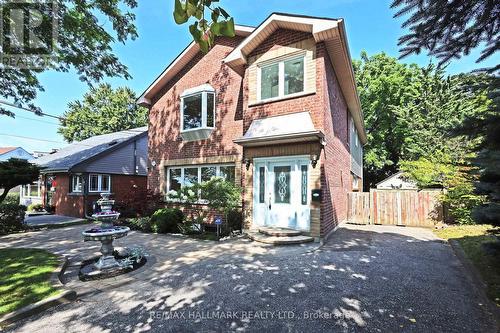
point(44, 220)
point(373, 279)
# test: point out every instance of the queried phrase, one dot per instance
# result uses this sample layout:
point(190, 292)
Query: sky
point(370, 27)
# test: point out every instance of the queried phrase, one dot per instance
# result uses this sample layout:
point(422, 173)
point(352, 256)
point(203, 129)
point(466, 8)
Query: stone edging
point(65, 296)
point(475, 276)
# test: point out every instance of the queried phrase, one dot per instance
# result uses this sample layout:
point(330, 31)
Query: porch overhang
point(290, 128)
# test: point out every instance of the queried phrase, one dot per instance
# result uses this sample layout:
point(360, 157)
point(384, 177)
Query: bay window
point(99, 183)
point(198, 108)
point(281, 78)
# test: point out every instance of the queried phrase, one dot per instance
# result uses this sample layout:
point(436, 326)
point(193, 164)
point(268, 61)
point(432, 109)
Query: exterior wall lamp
point(247, 163)
point(314, 160)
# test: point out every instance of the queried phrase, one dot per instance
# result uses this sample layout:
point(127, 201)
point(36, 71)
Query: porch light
point(314, 160)
point(247, 163)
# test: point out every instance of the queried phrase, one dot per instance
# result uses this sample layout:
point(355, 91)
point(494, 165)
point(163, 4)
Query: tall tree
point(450, 29)
point(15, 172)
point(86, 31)
point(102, 110)
point(409, 111)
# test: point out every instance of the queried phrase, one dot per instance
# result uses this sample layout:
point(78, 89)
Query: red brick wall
point(164, 117)
point(69, 204)
point(336, 160)
point(327, 107)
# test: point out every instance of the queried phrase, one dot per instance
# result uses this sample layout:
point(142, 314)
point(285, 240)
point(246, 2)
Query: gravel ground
point(366, 279)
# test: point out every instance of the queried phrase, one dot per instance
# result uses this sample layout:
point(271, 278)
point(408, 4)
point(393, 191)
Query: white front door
point(281, 193)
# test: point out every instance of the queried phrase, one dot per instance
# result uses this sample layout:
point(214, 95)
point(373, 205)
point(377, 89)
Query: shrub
point(50, 209)
point(139, 203)
point(235, 219)
point(140, 223)
point(12, 198)
point(11, 218)
point(35, 207)
point(166, 220)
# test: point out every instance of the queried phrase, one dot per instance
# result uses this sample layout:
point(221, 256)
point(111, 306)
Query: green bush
point(12, 198)
point(11, 218)
point(35, 207)
point(235, 220)
point(140, 223)
point(166, 220)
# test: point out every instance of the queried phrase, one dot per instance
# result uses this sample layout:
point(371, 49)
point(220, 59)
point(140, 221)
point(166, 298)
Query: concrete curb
point(65, 296)
point(57, 225)
point(476, 278)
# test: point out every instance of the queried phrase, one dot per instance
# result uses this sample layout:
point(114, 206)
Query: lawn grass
point(480, 246)
point(25, 277)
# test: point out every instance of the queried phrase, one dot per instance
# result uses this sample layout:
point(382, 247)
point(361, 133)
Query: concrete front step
point(279, 231)
point(279, 240)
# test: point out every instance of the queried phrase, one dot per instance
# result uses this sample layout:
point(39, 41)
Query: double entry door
point(281, 192)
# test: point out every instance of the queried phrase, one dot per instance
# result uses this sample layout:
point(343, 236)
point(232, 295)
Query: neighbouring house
point(7, 153)
point(14, 152)
point(74, 177)
point(275, 109)
point(397, 182)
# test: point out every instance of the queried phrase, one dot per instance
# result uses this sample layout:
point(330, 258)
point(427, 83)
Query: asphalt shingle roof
point(69, 156)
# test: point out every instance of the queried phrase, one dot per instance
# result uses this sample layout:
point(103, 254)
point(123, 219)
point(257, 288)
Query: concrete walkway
point(366, 278)
point(50, 220)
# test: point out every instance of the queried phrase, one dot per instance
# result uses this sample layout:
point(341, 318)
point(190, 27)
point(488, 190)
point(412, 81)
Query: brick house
point(74, 177)
point(274, 109)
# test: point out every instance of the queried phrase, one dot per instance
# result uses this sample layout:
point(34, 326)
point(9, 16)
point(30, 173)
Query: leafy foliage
point(449, 29)
point(15, 172)
point(83, 45)
point(11, 218)
point(410, 110)
point(440, 170)
point(486, 128)
point(203, 30)
point(140, 223)
point(166, 220)
point(36, 207)
point(103, 110)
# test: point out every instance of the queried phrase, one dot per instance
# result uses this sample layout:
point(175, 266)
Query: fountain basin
point(100, 234)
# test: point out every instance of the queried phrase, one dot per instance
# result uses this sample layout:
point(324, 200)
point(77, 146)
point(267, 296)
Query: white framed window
point(195, 174)
point(76, 183)
point(99, 183)
point(355, 182)
point(198, 108)
point(282, 78)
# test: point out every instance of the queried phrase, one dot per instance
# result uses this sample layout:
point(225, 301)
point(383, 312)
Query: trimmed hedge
point(11, 218)
point(166, 220)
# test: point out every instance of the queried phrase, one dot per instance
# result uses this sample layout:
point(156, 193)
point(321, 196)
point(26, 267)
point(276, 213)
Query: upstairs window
point(198, 108)
point(282, 78)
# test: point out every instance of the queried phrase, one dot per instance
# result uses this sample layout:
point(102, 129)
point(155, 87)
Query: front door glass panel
point(282, 184)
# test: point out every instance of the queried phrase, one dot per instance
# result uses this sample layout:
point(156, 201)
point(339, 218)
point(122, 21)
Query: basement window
point(197, 112)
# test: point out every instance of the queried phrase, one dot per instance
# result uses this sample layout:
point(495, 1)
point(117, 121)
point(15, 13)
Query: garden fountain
point(106, 234)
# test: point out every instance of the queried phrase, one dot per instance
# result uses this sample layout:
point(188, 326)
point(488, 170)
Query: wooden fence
point(395, 207)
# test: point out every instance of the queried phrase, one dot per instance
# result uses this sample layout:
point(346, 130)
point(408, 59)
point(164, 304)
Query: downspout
point(135, 157)
point(85, 193)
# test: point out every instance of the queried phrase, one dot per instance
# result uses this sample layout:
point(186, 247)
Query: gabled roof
point(68, 157)
point(4, 150)
point(177, 64)
point(331, 32)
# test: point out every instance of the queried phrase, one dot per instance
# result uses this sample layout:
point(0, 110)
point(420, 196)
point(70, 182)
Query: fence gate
point(395, 207)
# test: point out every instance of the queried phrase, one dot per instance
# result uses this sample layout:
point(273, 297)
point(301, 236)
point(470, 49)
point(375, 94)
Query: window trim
point(281, 77)
point(204, 90)
point(80, 176)
point(198, 166)
point(99, 183)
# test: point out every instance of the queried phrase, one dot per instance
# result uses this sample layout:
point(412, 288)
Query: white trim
point(80, 177)
point(99, 183)
point(194, 166)
point(204, 90)
point(280, 61)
